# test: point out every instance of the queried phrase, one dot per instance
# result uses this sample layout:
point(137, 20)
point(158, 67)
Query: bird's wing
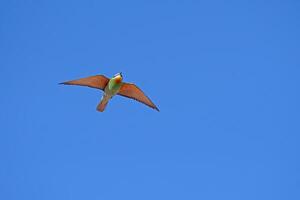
point(132, 91)
point(98, 82)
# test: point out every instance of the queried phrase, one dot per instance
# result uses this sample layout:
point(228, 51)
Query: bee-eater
point(112, 87)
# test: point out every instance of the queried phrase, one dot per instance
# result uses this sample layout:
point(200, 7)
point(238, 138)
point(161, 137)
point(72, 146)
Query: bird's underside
point(128, 90)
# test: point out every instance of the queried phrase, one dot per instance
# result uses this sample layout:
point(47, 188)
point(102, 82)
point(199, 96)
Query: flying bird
point(111, 87)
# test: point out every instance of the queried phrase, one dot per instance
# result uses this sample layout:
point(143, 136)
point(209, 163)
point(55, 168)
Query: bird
point(111, 87)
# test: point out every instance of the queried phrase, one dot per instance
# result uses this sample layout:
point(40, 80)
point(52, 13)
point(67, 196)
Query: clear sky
point(225, 75)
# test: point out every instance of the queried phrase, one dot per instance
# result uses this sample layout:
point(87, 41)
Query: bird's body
point(112, 87)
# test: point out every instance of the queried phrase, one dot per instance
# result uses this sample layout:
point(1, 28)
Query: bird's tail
point(103, 103)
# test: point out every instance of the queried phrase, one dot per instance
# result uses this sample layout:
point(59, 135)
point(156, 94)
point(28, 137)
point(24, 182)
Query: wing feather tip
point(156, 108)
point(65, 83)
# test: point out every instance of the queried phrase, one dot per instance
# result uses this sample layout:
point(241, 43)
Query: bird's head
point(118, 77)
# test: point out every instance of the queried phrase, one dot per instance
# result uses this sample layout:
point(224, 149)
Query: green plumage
point(113, 87)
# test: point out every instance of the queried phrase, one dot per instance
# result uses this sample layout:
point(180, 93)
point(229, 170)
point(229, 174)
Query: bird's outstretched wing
point(98, 82)
point(132, 91)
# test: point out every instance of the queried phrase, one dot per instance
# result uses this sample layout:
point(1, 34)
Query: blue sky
point(225, 75)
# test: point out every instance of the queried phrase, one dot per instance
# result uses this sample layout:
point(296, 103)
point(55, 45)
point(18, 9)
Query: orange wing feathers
point(98, 82)
point(132, 91)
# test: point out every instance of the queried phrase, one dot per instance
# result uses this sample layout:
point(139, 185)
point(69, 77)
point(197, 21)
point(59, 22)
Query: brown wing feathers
point(132, 91)
point(98, 82)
